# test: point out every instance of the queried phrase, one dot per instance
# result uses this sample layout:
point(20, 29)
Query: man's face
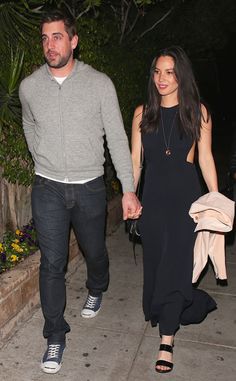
point(57, 46)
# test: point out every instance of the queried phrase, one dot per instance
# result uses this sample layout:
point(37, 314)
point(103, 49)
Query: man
point(67, 107)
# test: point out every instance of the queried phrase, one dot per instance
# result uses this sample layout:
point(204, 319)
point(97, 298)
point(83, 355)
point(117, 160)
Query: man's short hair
point(60, 15)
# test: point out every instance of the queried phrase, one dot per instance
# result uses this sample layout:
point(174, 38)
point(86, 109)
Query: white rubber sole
point(86, 314)
point(49, 367)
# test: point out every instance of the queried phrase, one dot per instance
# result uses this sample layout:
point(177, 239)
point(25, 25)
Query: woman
point(169, 128)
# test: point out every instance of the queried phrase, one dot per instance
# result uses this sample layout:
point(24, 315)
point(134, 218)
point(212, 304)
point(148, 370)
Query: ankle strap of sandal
point(166, 348)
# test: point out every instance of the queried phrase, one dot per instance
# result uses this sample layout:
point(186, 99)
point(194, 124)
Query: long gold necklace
point(167, 141)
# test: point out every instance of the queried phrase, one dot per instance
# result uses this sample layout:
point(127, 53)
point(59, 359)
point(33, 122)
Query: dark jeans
point(55, 207)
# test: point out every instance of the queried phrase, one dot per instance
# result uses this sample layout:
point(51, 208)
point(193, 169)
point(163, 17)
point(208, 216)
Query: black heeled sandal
point(170, 365)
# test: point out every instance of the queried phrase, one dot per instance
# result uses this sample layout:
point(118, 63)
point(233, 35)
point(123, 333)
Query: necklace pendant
point(168, 152)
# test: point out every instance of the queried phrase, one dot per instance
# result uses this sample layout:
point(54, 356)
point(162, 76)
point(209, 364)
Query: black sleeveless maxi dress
point(171, 184)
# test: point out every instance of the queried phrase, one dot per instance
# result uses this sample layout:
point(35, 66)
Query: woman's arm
point(136, 144)
point(205, 157)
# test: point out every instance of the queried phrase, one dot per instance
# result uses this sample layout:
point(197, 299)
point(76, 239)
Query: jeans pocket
point(39, 180)
point(96, 185)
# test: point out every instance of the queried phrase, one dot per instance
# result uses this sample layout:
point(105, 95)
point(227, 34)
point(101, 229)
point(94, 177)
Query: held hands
point(131, 206)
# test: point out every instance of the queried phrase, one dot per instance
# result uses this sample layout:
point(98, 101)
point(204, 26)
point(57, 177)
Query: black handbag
point(132, 224)
point(133, 230)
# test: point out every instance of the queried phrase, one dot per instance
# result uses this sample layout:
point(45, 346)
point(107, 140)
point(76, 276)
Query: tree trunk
point(15, 208)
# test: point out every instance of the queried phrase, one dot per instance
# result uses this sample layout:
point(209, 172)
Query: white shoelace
point(90, 302)
point(53, 350)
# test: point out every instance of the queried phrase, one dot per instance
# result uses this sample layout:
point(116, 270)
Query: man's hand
point(131, 206)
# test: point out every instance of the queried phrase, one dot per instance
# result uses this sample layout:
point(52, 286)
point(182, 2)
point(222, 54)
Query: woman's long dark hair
point(190, 114)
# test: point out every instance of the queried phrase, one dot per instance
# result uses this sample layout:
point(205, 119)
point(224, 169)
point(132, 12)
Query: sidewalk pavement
point(118, 345)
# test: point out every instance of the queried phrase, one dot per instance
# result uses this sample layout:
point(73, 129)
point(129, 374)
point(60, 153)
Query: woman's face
point(164, 77)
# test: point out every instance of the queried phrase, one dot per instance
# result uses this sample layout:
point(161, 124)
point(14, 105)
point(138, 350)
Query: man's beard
point(62, 62)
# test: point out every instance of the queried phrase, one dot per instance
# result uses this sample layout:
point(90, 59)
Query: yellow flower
point(13, 258)
point(16, 240)
point(1, 247)
point(19, 232)
point(17, 247)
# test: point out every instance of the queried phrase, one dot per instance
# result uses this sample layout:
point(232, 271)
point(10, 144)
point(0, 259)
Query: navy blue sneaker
point(52, 358)
point(91, 306)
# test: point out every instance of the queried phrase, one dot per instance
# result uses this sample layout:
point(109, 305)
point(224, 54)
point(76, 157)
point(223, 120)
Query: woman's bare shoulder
point(139, 111)
point(205, 113)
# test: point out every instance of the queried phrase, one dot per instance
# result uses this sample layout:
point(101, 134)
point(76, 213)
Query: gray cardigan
point(64, 125)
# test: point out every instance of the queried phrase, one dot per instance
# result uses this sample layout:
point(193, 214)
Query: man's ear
point(74, 41)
